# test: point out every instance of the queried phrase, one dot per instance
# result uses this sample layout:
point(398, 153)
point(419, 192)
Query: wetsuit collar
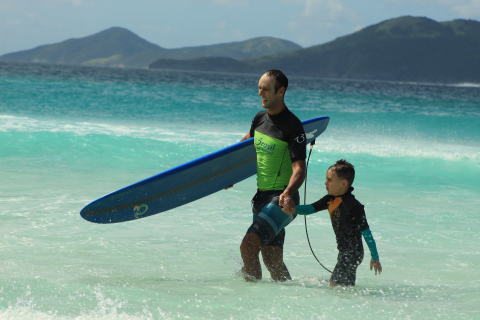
point(349, 191)
point(278, 114)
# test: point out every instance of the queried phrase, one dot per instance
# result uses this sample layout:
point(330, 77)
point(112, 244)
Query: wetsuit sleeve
point(322, 204)
point(359, 215)
point(252, 128)
point(254, 124)
point(304, 210)
point(297, 142)
point(367, 235)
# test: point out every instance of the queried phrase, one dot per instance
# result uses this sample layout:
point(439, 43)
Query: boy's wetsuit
point(349, 222)
point(279, 141)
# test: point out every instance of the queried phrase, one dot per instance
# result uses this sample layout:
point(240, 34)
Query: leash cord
point(304, 202)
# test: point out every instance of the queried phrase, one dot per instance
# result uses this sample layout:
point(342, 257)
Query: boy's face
point(333, 184)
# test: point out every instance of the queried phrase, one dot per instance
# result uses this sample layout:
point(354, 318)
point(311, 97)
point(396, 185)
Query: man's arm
point(245, 137)
point(296, 181)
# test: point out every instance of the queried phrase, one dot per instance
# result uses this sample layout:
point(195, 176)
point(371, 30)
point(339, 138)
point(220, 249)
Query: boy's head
point(340, 177)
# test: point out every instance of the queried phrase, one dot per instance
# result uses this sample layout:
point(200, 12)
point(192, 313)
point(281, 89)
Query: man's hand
point(376, 265)
point(287, 203)
point(296, 180)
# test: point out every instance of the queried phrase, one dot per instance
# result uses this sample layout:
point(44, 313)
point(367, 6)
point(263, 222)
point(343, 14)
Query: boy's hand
point(288, 210)
point(376, 265)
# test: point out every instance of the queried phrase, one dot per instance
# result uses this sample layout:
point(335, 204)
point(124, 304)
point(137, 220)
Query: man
point(280, 143)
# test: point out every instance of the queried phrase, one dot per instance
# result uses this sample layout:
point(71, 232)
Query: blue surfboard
point(185, 183)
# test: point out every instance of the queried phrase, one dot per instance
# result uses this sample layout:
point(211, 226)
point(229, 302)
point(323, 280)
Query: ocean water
point(70, 135)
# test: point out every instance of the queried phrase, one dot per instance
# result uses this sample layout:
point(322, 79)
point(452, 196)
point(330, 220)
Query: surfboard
point(185, 183)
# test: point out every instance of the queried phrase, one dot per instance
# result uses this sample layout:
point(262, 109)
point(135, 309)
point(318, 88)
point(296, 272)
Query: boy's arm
point(304, 209)
point(307, 209)
point(367, 235)
point(359, 212)
point(375, 262)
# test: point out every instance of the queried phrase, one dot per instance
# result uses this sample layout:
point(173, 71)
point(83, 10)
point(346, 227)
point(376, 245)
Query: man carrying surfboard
point(280, 144)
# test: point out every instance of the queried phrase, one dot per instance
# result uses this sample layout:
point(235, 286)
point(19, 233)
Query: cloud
point(77, 3)
point(224, 33)
point(231, 3)
point(319, 19)
point(324, 12)
point(324, 9)
point(463, 8)
point(467, 9)
point(221, 25)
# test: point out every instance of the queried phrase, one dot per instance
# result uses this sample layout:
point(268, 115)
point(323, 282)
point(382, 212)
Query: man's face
point(333, 184)
point(266, 90)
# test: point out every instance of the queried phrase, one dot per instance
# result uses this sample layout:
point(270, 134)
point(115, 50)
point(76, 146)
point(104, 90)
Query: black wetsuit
point(348, 219)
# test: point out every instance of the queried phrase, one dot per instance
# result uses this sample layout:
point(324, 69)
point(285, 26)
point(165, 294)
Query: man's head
point(281, 79)
point(339, 178)
point(271, 88)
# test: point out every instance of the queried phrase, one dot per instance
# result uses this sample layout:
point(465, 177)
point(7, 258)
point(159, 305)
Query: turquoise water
point(70, 135)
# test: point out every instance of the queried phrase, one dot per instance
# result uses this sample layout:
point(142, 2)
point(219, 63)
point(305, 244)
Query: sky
point(25, 24)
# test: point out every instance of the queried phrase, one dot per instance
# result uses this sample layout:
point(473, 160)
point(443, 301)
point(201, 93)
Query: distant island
point(402, 49)
point(416, 49)
point(119, 47)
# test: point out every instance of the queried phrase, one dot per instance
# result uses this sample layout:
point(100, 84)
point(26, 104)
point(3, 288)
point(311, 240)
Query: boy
point(348, 221)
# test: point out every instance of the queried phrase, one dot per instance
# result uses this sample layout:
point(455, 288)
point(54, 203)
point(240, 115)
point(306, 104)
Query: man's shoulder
point(259, 117)
point(260, 114)
point(291, 114)
point(292, 119)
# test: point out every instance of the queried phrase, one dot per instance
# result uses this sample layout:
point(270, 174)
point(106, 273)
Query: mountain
point(108, 47)
point(236, 50)
point(218, 64)
point(401, 49)
point(119, 47)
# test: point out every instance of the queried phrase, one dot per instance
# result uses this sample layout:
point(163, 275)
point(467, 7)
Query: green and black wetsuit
point(279, 141)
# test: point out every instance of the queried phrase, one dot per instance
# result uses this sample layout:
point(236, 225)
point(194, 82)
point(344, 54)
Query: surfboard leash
point(304, 202)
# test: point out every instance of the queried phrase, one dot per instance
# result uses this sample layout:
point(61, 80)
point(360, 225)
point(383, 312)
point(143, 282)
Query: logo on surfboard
point(310, 135)
point(139, 210)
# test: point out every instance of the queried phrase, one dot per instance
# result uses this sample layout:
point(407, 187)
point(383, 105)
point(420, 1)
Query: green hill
point(106, 48)
point(218, 64)
point(118, 47)
point(401, 49)
point(236, 50)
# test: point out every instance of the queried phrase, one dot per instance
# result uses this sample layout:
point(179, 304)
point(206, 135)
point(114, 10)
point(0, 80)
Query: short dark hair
point(281, 79)
point(344, 170)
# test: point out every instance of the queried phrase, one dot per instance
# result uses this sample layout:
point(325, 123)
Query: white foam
point(390, 146)
point(343, 142)
point(24, 124)
point(467, 85)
